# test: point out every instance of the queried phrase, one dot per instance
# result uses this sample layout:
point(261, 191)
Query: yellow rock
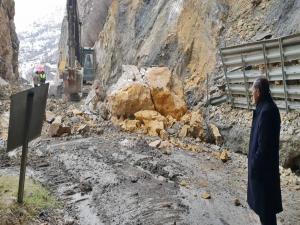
point(127, 101)
point(154, 127)
point(154, 122)
point(184, 131)
point(196, 119)
point(166, 92)
point(164, 135)
point(170, 121)
point(193, 127)
point(206, 195)
point(130, 125)
point(77, 112)
point(186, 118)
point(216, 134)
point(197, 123)
point(148, 115)
point(57, 130)
point(224, 156)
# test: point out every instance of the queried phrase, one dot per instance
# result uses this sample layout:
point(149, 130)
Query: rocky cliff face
point(9, 43)
point(93, 15)
point(183, 35)
point(178, 34)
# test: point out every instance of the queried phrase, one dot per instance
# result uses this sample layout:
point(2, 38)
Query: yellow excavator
point(76, 64)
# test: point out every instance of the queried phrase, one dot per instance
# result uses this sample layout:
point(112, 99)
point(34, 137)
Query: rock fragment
point(237, 202)
point(83, 129)
point(166, 91)
point(206, 195)
point(155, 144)
point(217, 137)
point(50, 116)
point(224, 156)
point(129, 100)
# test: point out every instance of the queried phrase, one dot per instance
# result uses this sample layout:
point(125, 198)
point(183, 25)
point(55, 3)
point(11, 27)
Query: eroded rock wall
point(186, 35)
point(9, 43)
point(93, 15)
point(179, 34)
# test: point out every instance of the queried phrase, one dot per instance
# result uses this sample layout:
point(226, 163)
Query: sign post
point(27, 111)
point(25, 147)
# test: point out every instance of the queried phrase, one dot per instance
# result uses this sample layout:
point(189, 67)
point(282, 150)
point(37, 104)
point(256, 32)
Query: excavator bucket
point(73, 84)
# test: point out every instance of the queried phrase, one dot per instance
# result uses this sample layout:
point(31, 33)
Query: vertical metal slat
point(226, 77)
point(283, 74)
point(266, 62)
point(245, 82)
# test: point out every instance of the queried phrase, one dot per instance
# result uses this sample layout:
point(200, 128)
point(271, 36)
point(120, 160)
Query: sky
point(40, 11)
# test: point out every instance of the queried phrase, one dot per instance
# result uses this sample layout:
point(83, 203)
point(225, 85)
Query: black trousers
point(268, 219)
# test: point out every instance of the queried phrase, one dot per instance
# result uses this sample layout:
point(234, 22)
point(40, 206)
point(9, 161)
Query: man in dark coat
point(264, 194)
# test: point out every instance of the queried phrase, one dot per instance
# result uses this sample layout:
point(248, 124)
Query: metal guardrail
point(276, 59)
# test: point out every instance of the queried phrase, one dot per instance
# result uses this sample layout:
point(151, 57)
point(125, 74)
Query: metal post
point(266, 62)
point(283, 74)
point(227, 80)
point(207, 91)
point(245, 82)
point(29, 105)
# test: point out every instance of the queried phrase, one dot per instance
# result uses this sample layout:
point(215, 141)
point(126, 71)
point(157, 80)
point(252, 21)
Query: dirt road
point(117, 178)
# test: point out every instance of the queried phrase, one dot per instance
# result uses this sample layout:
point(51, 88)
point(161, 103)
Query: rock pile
point(151, 101)
point(66, 119)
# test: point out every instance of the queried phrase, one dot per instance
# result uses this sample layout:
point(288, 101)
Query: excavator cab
point(88, 63)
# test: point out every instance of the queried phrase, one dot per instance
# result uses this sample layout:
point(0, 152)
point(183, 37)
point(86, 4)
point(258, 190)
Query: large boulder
point(129, 100)
point(166, 92)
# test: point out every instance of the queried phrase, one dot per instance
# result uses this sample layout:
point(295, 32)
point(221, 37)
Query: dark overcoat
point(264, 194)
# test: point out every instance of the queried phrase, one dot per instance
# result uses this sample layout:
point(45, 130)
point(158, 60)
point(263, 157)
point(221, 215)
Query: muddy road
point(116, 178)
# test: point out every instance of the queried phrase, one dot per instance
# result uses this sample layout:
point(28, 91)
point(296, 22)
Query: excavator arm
point(70, 59)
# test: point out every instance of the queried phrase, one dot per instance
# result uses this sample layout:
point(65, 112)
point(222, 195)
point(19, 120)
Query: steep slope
point(185, 35)
point(9, 43)
point(93, 15)
point(171, 33)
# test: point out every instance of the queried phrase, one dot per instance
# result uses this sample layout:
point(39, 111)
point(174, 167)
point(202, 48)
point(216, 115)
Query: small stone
point(206, 195)
point(69, 221)
point(184, 131)
point(165, 145)
point(183, 183)
point(50, 117)
point(224, 156)
point(75, 119)
point(237, 202)
point(218, 139)
point(167, 152)
point(83, 129)
point(100, 131)
point(77, 112)
point(163, 135)
point(155, 144)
